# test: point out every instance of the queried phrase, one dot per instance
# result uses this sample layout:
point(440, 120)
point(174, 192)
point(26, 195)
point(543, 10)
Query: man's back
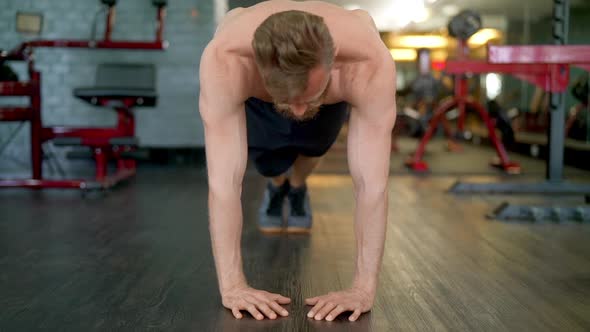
point(355, 36)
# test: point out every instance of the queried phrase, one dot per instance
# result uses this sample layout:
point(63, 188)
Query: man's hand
point(333, 304)
point(254, 301)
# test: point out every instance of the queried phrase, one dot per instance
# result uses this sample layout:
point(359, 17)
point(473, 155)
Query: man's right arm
point(221, 106)
point(226, 150)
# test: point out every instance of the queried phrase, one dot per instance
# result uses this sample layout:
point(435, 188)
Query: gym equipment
point(7, 74)
point(424, 95)
point(122, 87)
point(580, 89)
point(577, 125)
point(548, 67)
point(502, 120)
point(464, 25)
point(508, 212)
point(107, 43)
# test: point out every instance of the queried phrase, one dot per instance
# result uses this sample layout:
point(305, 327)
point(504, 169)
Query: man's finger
point(254, 312)
point(282, 299)
point(267, 310)
point(236, 313)
point(325, 310)
point(311, 300)
point(278, 309)
point(334, 313)
point(260, 303)
point(274, 306)
point(355, 315)
point(320, 304)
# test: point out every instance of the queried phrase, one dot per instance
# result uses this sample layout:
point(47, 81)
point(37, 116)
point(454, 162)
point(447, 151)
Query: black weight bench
point(121, 87)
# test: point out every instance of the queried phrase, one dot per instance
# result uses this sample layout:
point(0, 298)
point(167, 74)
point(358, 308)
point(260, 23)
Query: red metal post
point(15, 88)
point(110, 23)
point(131, 45)
point(505, 163)
point(101, 163)
point(461, 85)
point(96, 135)
point(461, 92)
point(40, 184)
point(36, 139)
point(15, 113)
point(160, 23)
point(416, 162)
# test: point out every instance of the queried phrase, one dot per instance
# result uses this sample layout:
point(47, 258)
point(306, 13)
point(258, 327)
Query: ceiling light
point(400, 13)
point(403, 54)
point(420, 41)
point(450, 10)
point(352, 6)
point(439, 55)
point(421, 15)
point(483, 36)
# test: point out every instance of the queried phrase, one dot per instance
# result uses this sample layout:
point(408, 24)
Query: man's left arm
point(369, 145)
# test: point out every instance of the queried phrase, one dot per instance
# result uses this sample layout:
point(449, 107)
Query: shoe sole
point(298, 230)
point(270, 230)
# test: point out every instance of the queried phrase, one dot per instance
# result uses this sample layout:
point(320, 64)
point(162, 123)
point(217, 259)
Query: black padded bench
point(121, 87)
point(115, 83)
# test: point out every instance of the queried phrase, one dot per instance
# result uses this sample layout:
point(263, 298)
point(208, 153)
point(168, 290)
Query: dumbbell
point(465, 24)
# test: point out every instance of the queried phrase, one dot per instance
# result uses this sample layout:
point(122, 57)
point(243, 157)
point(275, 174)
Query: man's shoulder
point(225, 72)
point(366, 78)
point(232, 14)
point(362, 14)
point(218, 61)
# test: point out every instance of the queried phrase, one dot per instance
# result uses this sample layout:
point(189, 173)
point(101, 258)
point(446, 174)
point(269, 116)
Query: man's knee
point(274, 163)
point(271, 171)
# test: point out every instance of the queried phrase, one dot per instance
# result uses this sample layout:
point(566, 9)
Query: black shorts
point(274, 141)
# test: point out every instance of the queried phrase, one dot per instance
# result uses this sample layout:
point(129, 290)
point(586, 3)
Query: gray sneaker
point(271, 210)
point(299, 219)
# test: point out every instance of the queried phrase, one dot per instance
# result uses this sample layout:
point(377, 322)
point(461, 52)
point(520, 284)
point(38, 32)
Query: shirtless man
point(263, 77)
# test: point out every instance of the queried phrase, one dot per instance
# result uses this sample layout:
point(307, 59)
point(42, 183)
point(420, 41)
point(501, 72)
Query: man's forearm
point(225, 225)
point(370, 227)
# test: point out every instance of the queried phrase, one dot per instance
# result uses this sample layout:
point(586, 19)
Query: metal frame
point(107, 43)
point(559, 57)
point(99, 139)
point(461, 100)
point(510, 212)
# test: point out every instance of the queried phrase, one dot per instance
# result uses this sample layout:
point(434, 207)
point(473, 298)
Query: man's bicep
point(224, 120)
point(370, 126)
point(369, 145)
point(225, 146)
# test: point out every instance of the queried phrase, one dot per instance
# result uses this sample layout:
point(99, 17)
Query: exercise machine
point(122, 87)
point(463, 26)
point(547, 66)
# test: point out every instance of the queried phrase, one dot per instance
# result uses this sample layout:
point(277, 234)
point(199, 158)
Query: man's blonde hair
point(287, 45)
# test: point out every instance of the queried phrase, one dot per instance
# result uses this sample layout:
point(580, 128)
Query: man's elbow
point(371, 189)
point(225, 190)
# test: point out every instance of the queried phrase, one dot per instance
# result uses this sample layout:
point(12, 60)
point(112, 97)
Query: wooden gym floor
point(139, 258)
